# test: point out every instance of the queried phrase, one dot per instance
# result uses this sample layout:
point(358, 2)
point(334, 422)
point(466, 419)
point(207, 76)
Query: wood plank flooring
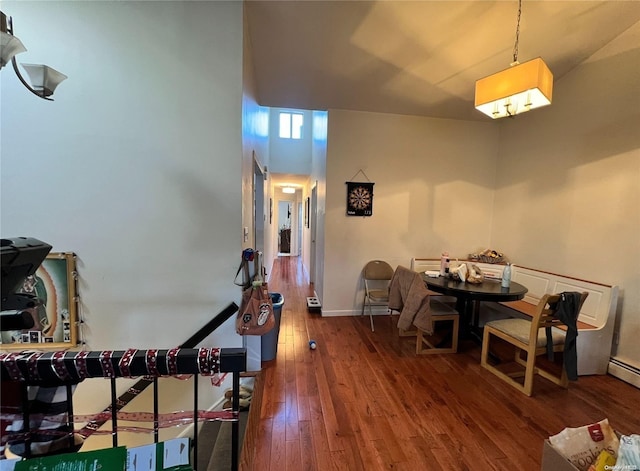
point(364, 401)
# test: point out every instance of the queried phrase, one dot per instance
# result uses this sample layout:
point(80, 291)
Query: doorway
point(312, 235)
point(285, 209)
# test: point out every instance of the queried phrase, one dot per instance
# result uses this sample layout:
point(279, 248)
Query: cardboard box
point(554, 461)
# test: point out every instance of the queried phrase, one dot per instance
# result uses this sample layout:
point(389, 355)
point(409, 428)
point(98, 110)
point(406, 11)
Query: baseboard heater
point(625, 372)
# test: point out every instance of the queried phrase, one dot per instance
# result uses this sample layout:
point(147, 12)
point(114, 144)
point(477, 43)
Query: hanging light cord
point(515, 46)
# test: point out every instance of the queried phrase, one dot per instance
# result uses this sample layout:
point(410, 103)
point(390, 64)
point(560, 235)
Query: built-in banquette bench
point(595, 322)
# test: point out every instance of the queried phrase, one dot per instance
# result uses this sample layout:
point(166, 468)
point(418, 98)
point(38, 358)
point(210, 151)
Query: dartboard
point(359, 199)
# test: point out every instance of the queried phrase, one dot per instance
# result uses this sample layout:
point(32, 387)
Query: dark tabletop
point(488, 290)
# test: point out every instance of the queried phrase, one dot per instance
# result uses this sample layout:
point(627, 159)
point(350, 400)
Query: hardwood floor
point(364, 401)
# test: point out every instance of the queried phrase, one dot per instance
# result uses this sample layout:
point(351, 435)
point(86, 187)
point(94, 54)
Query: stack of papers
point(432, 273)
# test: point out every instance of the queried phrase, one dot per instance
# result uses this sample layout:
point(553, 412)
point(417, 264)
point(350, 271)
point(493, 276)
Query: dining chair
point(530, 337)
point(426, 344)
point(421, 315)
point(377, 275)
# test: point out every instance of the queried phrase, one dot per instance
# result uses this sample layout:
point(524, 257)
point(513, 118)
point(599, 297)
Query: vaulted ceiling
point(415, 57)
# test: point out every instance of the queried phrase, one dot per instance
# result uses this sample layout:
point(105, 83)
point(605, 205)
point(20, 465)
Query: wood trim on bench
point(563, 276)
point(529, 309)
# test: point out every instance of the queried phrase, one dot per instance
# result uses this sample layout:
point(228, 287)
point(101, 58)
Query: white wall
point(434, 189)
point(318, 180)
point(568, 188)
point(255, 149)
point(255, 145)
point(290, 155)
point(136, 165)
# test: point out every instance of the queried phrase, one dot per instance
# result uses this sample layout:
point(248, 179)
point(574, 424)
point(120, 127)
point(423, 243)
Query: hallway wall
point(133, 166)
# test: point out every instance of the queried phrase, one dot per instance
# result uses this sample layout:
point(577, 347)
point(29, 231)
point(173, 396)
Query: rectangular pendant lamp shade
point(520, 88)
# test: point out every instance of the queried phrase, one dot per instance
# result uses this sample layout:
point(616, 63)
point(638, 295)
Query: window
point(291, 125)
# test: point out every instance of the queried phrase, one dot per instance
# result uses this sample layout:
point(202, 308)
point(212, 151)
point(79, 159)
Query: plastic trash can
point(269, 344)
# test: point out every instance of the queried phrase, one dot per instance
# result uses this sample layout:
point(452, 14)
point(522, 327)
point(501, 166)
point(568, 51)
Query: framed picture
point(306, 212)
point(55, 316)
point(270, 210)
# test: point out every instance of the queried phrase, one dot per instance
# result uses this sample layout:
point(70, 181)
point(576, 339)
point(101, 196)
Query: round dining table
point(470, 295)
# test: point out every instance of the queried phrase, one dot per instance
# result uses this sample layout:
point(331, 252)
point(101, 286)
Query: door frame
point(259, 218)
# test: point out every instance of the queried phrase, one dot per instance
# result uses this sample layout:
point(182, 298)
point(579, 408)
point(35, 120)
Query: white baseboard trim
point(345, 313)
point(625, 372)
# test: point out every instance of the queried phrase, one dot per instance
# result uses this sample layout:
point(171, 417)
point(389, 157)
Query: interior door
point(312, 231)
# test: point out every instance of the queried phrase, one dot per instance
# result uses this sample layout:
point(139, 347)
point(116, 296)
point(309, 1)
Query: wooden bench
point(596, 319)
point(528, 309)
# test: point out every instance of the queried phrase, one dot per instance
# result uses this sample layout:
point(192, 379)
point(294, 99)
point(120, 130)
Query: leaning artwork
point(55, 312)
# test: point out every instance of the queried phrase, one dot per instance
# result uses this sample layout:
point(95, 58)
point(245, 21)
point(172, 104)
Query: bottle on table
point(443, 263)
point(506, 276)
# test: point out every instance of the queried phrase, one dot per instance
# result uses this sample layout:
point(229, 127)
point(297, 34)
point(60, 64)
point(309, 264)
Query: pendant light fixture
point(518, 89)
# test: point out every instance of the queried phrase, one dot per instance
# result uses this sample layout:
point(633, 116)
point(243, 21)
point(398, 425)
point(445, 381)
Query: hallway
point(364, 401)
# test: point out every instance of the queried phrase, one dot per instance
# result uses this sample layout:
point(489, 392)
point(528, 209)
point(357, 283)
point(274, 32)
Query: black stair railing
point(63, 369)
